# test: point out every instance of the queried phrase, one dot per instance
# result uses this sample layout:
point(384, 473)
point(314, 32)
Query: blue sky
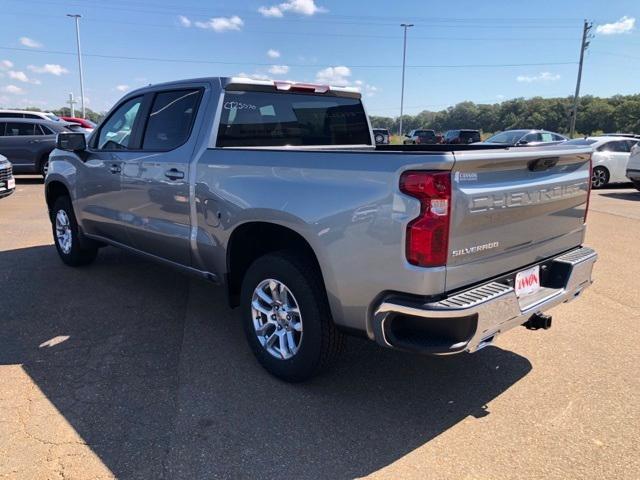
point(356, 42)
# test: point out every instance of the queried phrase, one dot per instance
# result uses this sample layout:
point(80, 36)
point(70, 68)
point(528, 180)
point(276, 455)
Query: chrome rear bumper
point(470, 320)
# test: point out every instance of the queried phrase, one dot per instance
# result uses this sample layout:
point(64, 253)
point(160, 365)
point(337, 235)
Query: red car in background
point(86, 125)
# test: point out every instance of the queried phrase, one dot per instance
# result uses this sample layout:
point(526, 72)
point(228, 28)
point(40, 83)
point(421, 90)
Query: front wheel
point(44, 167)
point(599, 177)
point(286, 317)
point(66, 235)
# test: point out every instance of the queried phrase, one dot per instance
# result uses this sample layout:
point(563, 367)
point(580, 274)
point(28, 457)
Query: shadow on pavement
point(29, 179)
point(633, 195)
point(157, 379)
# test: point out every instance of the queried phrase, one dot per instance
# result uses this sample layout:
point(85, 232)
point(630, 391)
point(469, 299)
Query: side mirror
point(71, 142)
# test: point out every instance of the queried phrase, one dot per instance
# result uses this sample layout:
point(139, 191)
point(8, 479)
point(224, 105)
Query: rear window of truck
point(263, 119)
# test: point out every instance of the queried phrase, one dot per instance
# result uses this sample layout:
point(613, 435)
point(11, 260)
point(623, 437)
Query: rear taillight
point(586, 210)
point(428, 235)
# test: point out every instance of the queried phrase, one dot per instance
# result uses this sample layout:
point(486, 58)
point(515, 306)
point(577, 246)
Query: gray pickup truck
point(278, 192)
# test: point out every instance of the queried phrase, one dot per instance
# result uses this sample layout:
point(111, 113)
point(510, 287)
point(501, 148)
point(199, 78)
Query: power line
point(442, 22)
point(261, 64)
point(320, 34)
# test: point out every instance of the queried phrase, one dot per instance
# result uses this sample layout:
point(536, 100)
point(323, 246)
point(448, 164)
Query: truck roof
point(223, 82)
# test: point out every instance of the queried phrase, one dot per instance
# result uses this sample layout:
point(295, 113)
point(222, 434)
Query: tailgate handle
point(540, 164)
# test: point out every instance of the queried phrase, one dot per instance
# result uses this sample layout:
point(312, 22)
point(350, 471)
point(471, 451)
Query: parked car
point(456, 137)
point(633, 166)
point(629, 135)
point(86, 125)
point(314, 231)
point(29, 114)
point(610, 157)
point(27, 142)
point(420, 137)
point(381, 136)
point(7, 182)
point(526, 138)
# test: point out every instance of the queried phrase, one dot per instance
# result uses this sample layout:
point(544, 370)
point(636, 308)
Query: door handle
point(115, 169)
point(174, 174)
point(34, 141)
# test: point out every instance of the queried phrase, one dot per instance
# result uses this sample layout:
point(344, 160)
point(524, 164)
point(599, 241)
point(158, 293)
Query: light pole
point(77, 17)
point(404, 60)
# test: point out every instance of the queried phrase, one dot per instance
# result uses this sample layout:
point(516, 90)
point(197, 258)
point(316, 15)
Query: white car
point(610, 157)
point(28, 114)
point(633, 167)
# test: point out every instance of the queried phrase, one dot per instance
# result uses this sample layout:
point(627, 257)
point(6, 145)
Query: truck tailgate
point(512, 209)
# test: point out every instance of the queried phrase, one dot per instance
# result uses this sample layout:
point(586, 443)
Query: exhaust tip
point(537, 321)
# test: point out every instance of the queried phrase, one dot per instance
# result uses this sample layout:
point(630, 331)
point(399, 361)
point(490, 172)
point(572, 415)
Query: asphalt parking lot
point(126, 369)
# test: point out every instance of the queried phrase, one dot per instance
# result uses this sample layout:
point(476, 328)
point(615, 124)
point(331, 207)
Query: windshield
point(266, 119)
point(51, 116)
point(581, 141)
point(510, 137)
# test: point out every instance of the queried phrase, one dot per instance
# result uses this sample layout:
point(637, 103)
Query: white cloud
point(624, 25)
point(221, 24)
point(301, 7)
point(278, 69)
point(254, 76)
point(122, 88)
point(30, 42)
point(184, 21)
point(271, 53)
point(334, 75)
point(340, 76)
point(13, 90)
point(541, 77)
point(4, 64)
point(21, 77)
point(52, 68)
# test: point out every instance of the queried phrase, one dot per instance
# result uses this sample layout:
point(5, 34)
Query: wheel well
point(252, 240)
point(54, 191)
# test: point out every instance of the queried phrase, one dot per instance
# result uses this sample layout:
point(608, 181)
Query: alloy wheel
point(63, 231)
point(276, 319)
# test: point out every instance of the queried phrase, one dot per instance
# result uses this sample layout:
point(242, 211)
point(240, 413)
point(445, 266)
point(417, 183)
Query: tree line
point(620, 113)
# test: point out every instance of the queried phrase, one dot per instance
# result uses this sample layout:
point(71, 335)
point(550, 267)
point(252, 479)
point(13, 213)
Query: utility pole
point(586, 39)
point(72, 103)
point(77, 18)
point(404, 60)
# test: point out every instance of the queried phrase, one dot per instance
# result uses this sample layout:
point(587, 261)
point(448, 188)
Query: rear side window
point(11, 115)
point(255, 119)
point(171, 119)
point(19, 129)
point(619, 146)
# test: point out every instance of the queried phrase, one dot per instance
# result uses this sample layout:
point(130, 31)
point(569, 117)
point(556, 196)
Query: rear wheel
point(599, 177)
point(286, 317)
point(66, 235)
point(379, 138)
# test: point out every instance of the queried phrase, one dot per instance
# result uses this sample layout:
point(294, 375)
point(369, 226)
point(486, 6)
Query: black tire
point(636, 184)
point(44, 166)
point(379, 139)
point(320, 342)
point(599, 178)
point(80, 252)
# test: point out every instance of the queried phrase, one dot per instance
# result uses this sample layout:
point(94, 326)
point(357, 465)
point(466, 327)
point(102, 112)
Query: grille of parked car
point(5, 172)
